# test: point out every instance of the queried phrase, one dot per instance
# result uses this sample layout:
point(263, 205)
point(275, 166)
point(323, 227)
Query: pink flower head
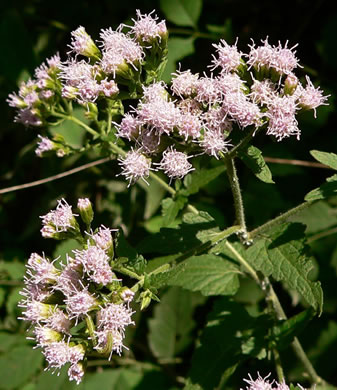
point(146, 29)
point(264, 384)
point(81, 43)
point(59, 321)
point(215, 119)
point(228, 57)
point(229, 83)
point(242, 110)
point(175, 164)
point(160, 115)
point(284, 59)
point(28, 117)
point(41, 270)
point(59, 353)
point(115, 317)
point(311, 97)
point(76, 73)
point(76, 372)
point(95, 263)
point(282, 121)
point(108, 88)
point(60, 220)
point(16, 101)
point(80, 304)
point(262, 91)
point(69, 281)
point(45, 335)
point(44, 145)
point(184, 83)
point(155, 91)
point(103, 238)
point(129, 127)
point(213, 143)
point(36, 311)
point(208, 91)
point(189, 126)
point(260, 56)
point(117, 48)
point(135, 166)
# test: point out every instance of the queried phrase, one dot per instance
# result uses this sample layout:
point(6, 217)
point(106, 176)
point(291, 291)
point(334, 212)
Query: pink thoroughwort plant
point(80, 308)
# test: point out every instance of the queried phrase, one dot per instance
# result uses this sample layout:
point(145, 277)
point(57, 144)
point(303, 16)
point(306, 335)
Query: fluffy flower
point(175, 164)
point(146, 29)
point(135, 166)
point(228, 57)
point(213, 143)
point(310, 97)
point(184, 83)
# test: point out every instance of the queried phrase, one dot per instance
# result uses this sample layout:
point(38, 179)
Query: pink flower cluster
point(256, 90)
point(58, 296)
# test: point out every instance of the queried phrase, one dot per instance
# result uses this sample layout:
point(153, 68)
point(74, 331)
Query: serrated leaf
point(18, 365)
point(329, 159)
point(253, 158)
point(182, 12)
point(171, 208)
point(231, 336)
point(135, 261)
point(172, 323)
point(201, 177)
point(209, 274)
point(284, 255)
point(178, 48)
point(324, 191)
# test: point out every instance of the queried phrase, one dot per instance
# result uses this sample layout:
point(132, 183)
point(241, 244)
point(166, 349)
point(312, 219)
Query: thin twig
point(54, 177)
point(296, 162)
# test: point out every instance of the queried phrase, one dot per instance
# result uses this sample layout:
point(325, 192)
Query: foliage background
point(30, 31)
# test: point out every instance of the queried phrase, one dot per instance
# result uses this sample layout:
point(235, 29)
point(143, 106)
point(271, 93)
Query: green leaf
point(135, 261)
point(317, 217)
point(172, 323)
point(12, 302)
point(178, 48)
point(2, 295)
point(284, 255)
point(329, 159)
point(47, 380)
point(284, 332)
point(324, 191)
point(193, 231)
point(171, 208)
point(117, 379)
point(18, 365)
point(64, 247)
point(253, 158)
point(209, 274)
point(182, 12)
point(154, 195)
point(201, 177)
point(71, 132)
point(15, 270)
point(8, 340)
point(231, 336)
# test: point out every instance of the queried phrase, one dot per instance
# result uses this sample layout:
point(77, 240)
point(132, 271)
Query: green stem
point(91, 329)
point(280, 314)
point(233, 152)
point(278, 365)
point(127, 272)
point(76, 120)
point(249, 269)
point(236, 191)
point(296, 345)
point(283, 217)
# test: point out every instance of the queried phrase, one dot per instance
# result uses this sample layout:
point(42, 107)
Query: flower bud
point(86, 211)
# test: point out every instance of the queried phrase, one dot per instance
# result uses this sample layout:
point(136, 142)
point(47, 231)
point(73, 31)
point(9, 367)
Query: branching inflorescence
point(79, 307)
point(257, 89)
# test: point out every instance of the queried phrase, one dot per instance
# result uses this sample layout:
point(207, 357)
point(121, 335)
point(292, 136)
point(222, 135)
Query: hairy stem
point(236, 191)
